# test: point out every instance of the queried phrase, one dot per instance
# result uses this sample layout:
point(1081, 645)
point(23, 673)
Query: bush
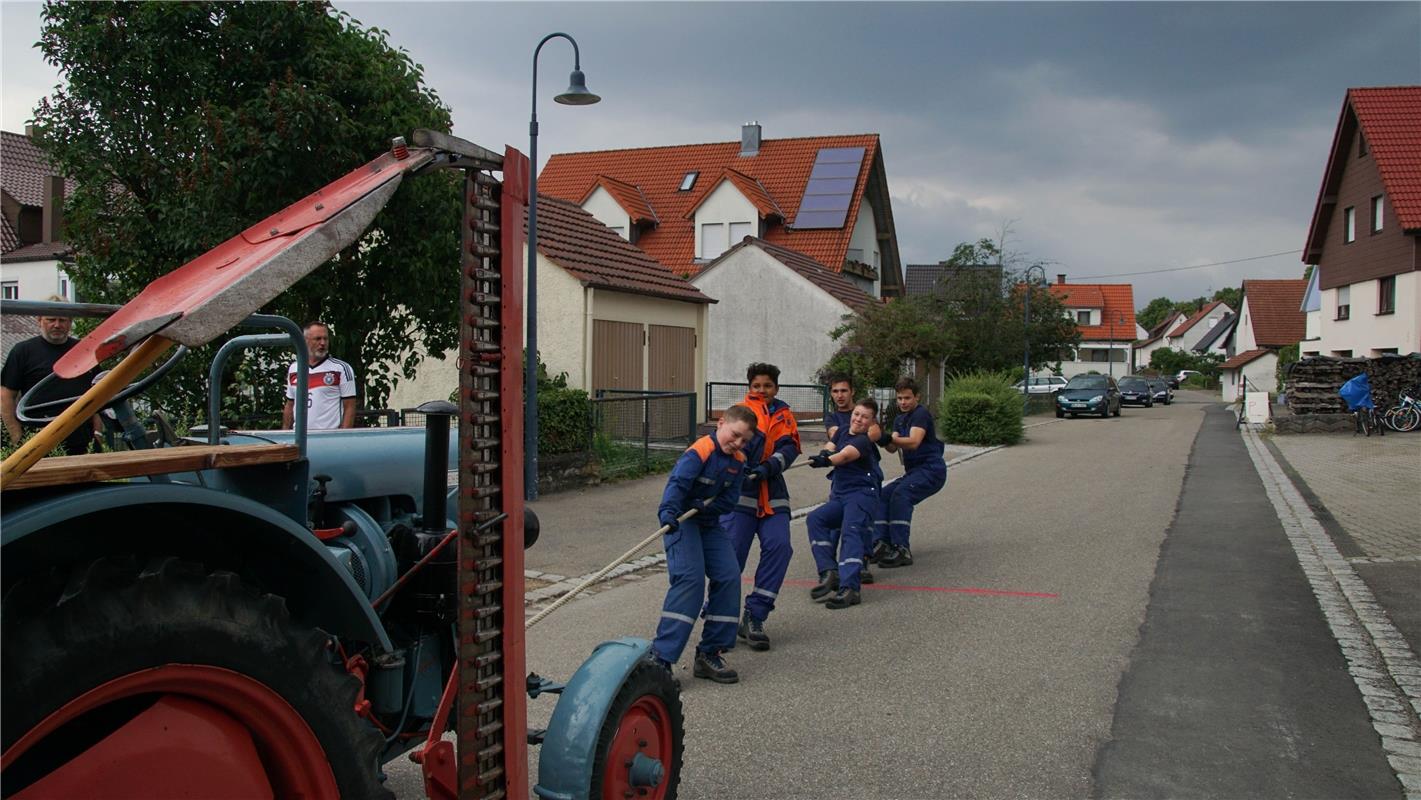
point(563, 416)
point(981, 408)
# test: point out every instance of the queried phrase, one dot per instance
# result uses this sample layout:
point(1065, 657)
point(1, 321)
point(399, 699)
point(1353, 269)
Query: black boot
point(713, 667)
point(828, 584)
point(753, 632)
point(865, 576)
point(844, 599)
point(880, 549)
point(900, 557)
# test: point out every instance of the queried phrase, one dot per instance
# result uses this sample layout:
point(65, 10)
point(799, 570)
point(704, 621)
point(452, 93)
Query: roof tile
point(1274, 305)
point(630, 198)
point(836, 284)
point(23, 168)
point(1245, 358)
point(1390, 117)
point(1117, 304)
point(1198, 315)
point(594, 254)
point(781, 169)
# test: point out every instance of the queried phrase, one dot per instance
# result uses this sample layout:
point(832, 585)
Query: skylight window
point(688, 181)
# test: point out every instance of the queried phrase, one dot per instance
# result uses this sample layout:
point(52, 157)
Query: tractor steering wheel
point(24, 409)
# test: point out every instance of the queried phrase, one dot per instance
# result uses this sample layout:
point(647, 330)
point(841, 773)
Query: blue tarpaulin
point(1357, 393)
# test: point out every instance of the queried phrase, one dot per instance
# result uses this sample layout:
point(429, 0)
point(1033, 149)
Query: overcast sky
point(1115, 137)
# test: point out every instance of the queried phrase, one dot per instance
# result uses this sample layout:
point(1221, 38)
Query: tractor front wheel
point(164, 680)
point(640, 747)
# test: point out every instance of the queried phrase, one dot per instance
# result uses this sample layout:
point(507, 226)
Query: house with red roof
point(1105, 315)
point(817, 200)
point(32, 248)
point(611, 317)
point(788, 285)
point(1155, 338)
point(1269, 319)
point(1365, 235)
point(1197, 326)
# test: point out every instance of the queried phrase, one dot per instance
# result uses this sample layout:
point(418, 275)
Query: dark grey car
point(1160, 388)
point(1089, 394)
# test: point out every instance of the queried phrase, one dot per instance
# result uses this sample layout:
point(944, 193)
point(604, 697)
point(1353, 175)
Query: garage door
point(616, 355)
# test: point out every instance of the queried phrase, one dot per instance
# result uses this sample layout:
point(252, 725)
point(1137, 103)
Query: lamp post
point(1026, 331)
point(1110, 347)
point(576, 95)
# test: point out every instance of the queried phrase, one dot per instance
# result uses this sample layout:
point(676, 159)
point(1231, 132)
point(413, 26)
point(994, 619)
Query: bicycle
point(1405, 416)
point(1357, 393)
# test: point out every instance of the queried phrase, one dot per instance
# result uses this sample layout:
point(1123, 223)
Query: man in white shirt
point(330, 385)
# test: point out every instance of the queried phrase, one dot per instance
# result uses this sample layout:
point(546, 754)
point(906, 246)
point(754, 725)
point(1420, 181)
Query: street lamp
point(1026, 329)
point(577, 94)
point(1110, 346)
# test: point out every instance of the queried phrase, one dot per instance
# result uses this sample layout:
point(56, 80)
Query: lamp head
point(577, 93)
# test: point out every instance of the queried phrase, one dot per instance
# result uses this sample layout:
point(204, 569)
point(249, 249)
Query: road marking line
point(895, 587)
point(1381, 663)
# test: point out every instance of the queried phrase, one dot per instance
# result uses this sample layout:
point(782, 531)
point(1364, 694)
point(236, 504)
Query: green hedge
point(981, 408)
point(563, 416)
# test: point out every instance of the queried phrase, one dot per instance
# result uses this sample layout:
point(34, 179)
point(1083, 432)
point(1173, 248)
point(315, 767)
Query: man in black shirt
point(28, 363)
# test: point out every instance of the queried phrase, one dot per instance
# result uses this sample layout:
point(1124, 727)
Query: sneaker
point(713, 667)
point(753, 632)
point(844, 598)
point(828, 584)
point(880, 549)
point(900, 557)
point(865, 576)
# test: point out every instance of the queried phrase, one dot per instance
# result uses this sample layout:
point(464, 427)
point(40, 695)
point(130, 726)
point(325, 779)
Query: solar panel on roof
point(830, 189)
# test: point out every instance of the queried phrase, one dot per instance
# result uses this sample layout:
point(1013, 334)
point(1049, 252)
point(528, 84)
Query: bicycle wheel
point(1406, 419)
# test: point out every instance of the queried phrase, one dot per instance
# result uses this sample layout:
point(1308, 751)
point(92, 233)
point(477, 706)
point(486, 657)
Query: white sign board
point(1257, 409)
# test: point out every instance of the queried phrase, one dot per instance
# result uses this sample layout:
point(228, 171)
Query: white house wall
point(725, 205)
point(37, 280)
point(1262, 374)
point(602, 205)
point(1311, 343)
point(1243, 333)
point(1200, 329)
point(767, 312)
point(1367, 332)
point(865, 239)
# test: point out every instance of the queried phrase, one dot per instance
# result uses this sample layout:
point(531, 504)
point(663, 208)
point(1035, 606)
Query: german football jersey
point(327, 384)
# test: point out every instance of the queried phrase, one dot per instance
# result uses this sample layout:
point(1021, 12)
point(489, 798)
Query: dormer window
point(1082, 317)
point(688, 181)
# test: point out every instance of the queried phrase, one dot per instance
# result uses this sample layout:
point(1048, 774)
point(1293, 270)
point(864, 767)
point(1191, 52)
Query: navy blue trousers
point(695, 554)
point(895, 511)
point(775, 553)
point(844, 524)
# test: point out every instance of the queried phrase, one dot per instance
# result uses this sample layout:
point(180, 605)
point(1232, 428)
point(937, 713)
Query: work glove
point(820, 461)
point(670, 522)
point(759, 473)
point(885, 438)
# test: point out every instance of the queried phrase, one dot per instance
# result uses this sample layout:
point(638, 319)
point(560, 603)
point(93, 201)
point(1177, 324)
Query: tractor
point(278, 614)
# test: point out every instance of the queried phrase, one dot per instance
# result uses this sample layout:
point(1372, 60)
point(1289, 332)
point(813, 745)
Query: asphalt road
point(993, 667)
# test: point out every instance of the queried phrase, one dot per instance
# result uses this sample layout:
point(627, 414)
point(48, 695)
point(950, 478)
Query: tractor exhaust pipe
point(437, 414)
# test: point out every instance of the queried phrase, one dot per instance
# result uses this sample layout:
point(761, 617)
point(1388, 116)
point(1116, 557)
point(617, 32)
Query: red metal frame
point(217, 721)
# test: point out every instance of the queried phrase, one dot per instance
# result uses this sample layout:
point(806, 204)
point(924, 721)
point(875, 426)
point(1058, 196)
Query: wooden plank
point(62, 470)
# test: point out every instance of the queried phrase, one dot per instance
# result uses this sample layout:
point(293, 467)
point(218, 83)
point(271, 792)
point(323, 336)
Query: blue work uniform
point(846, 522)
point(924, 474)
point(763, 507)
point(699, 550)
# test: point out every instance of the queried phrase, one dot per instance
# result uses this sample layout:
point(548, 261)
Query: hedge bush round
point(980, 408)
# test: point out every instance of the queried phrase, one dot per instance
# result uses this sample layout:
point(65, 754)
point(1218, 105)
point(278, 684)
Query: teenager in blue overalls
point(763, 508)
point(924, 473)
point(824, 542)
point(706, 477)
point(855, 485)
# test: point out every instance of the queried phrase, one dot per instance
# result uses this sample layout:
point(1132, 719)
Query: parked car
point(1182, 376)
point(1089, 394)
point(1135, 390)
point(1160, 388)
point(1043, 385)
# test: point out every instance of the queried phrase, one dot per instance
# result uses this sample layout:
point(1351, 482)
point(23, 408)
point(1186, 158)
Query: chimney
point(30, 131)
point(750, 139)
point(52, 226)
point(1060, 277)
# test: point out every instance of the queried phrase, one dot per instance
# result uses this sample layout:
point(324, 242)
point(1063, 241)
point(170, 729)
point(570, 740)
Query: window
point(712, 239)
point(1349, 225)
point(1344, 302)
point(688, 181)
point(1082, 317)
point(1386, 295)
point(1361, 146)
point(1341, 353)
point(738, 232)
point(10, 290)
point(64, 288)
point(620, 230)
point(1377, 214)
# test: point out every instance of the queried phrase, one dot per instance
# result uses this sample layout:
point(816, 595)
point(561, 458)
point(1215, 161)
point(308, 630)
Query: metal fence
point(635, 426)
point(809, 401)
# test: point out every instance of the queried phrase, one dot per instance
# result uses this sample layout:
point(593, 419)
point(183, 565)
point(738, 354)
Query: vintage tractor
point(278, 614)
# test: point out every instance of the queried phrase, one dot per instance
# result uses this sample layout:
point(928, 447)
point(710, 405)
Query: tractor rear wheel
point(641, 738)
point(164, 680)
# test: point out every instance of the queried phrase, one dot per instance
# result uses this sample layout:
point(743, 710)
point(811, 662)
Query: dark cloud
point(1118, 136)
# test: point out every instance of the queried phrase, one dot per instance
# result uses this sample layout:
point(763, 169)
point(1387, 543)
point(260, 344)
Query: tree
point(972, 322)
point(1231, 296)
point(185, 123)
point(1154, 312)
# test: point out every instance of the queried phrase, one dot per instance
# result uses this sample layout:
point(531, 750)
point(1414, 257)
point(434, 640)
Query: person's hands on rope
point(821, 461)
point(670, 522)
point(759, 473)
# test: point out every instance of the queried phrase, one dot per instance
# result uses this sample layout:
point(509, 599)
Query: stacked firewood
point(1312, 383)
